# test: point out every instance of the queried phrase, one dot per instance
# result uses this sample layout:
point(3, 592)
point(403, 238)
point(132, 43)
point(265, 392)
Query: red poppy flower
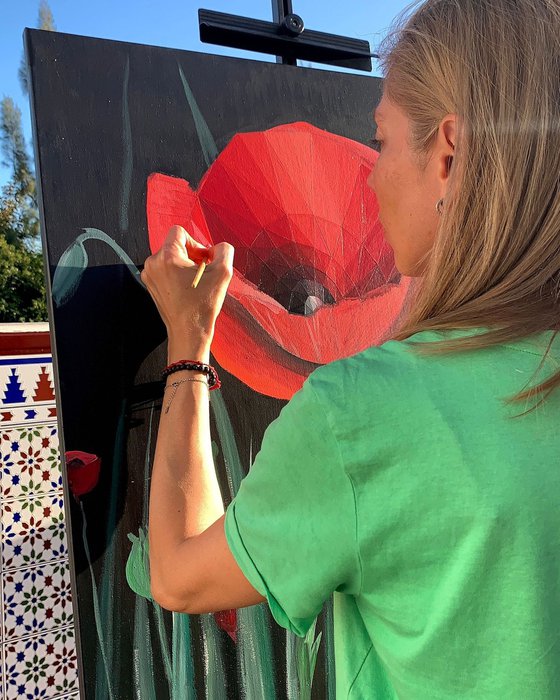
point(83, 471)
point(314, 280)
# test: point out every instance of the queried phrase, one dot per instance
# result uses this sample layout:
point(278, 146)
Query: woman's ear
point(445, 145)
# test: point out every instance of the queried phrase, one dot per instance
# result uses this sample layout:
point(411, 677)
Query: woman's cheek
point(371, 179)
point(376, 183)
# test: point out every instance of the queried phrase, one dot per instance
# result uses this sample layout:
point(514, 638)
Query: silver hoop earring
point(439, 207)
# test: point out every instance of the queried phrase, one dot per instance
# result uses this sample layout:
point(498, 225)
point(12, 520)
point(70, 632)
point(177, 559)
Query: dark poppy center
point(298, 289)
point(304, 297)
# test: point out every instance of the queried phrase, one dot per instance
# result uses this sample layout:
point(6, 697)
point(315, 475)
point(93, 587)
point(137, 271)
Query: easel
point(285, 37)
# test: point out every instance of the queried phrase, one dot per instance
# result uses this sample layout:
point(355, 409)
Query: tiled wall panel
point(38, 651)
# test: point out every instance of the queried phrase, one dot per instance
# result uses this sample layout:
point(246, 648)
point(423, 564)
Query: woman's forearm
point(185, 497)
point(184, 494)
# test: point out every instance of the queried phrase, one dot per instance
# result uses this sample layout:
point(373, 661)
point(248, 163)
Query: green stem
point(183, 670)
point(254, 643)
point(96, 615)
point(128, 152)
point(292, 683)
point(215, 677)
point(143, 662)
point(110, 582)
point(207, 143)
point(329, 650)
point(160, 626)
point(98, 235)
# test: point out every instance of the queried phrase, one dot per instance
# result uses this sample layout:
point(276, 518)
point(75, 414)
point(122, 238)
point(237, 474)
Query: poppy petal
point(170, 201)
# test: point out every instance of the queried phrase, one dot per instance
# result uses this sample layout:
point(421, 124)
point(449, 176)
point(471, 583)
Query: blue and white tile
point(33, 531)
point(30, 461)
point(36, 600)
point(41, 667)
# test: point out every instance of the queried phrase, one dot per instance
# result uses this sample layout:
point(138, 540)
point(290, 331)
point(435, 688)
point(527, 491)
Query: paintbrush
point(198, 275)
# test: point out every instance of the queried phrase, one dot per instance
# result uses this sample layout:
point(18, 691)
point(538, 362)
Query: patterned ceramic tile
point(33, 531)
point(36, 599)
point(38, 653)
point(41, 667)
point(30, 460)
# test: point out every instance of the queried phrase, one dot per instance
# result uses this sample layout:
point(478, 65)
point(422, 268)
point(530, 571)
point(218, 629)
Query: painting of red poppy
point(131, 139)
point(314, 279)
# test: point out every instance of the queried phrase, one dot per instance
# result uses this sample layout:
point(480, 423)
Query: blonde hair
point(495, 263)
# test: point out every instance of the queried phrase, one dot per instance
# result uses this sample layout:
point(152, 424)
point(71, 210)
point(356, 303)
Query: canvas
point(129, 140)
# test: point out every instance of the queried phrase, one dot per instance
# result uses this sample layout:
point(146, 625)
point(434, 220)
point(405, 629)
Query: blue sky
point(172, 23)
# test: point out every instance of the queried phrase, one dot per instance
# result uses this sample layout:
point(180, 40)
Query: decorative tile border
point(26, 390)
point(31, 415)
point(26, 380)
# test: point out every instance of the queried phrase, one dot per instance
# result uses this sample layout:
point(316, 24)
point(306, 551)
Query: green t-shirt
point(405, 484)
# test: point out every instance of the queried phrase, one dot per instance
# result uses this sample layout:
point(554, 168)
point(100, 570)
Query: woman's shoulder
point(376, 376)
point(380, 364)
point(394, 356)
point(398, 369)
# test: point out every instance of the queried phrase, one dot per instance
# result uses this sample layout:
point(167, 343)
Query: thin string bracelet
point(182, 381)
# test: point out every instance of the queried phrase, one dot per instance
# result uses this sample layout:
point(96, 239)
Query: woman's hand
point(188, 314)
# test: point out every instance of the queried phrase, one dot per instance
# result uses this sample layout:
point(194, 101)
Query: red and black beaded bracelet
point(194, 366)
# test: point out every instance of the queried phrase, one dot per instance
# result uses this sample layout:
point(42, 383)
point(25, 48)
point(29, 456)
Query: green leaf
point(69, 272)
point(138, 565)
point(313, 655)
point(307, 651)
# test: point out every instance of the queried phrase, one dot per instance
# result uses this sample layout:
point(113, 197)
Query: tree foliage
point(22, 284)
point(21, 189)
point(45, 21)
point(12, 223)
point(14, 149)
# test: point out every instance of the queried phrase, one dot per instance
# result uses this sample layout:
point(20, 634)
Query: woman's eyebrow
point(377, 116)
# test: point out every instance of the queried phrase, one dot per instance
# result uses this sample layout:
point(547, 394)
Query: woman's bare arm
point(191, 566)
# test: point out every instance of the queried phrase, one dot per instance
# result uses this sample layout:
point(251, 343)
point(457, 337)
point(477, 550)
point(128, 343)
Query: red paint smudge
point(227, 621)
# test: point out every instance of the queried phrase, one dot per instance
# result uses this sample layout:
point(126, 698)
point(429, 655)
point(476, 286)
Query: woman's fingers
point(185, 246)
point(180, 250)
point(168, 276)
point(218, 257)
point(222, 259)
point(176, 235)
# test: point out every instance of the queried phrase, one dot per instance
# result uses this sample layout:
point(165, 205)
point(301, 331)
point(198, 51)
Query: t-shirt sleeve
point(292, 525)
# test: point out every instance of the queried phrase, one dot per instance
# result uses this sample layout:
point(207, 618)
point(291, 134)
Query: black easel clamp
point(292, 24)
point(285, 38)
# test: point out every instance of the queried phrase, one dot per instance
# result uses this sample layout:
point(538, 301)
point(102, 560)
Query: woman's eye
point(376, 144)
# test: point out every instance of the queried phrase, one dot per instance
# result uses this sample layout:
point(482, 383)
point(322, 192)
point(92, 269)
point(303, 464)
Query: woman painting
point(418, 480)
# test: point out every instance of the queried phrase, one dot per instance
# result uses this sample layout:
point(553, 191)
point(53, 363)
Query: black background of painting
point(107, 338)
